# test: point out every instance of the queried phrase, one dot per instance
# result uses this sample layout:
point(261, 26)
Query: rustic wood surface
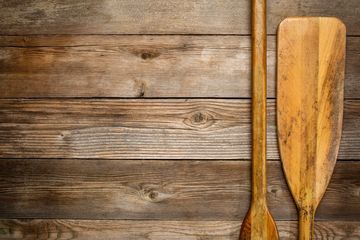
point(140, 66)
point(144, 129)
point(159, 17)
point(83, 157)
point(158, 230)
point(158, 189)
point(310, 99)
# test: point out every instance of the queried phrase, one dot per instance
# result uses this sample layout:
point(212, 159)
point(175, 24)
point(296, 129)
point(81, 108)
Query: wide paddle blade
point(310, 93)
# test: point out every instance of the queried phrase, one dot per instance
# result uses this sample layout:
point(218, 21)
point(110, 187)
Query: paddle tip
point(333, 21)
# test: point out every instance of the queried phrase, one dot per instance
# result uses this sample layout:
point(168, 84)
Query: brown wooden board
point(143, 129)
point(159, 17)
point(140, 66)
point(166, 190)
point(158, 230)
point(57, 155)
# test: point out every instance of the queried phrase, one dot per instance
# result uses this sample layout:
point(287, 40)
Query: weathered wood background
point(130, 119)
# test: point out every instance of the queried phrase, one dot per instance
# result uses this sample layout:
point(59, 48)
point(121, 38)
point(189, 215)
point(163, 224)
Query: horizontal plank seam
point(147, 34)
point(130, 98)
point(144, 98)
point(131, 34)
point(156, 159)
point(171, 220)
point(179, 220)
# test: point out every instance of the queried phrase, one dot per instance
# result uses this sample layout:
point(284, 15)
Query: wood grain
point(258, 222)
point(158, 17)
point(143, 129)
point(140, 66)
point(158, 230)
point(162, 195)
point(158, 190)
point(310, 99)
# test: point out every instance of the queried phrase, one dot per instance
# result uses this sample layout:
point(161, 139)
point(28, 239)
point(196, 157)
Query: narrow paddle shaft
point(258, 223)
point(259, 102)
point(306, 224)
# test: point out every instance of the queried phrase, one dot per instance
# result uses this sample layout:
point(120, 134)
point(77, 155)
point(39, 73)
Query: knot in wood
point(153, 195)
point(199, 119)
point(149, 194)
point(276, 191)
point(149, 55)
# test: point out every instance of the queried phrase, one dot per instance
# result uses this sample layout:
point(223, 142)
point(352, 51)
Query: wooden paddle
point(310, 93)
point(258, 223)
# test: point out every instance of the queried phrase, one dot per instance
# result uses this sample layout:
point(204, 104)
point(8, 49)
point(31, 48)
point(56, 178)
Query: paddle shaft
point(258, 223)
point(259, 103)
point(306, 224)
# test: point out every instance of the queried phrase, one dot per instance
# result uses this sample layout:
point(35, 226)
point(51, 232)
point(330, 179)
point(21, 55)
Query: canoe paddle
point(258, 223)
point(310, 96)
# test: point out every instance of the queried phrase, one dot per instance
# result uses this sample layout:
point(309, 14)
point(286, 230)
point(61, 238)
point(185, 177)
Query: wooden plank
point(160, 189)
point(158, 230)
point(143, 129)
point(139, 66)
point(159, 17)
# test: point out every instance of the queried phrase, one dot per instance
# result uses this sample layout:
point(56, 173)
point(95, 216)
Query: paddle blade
point(310, 93)
point(252, 228)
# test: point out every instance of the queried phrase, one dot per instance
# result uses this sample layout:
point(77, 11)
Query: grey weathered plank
point(139, 66)
point(158, 230)
point(143, 129)
point(159, 17)
point(160, 189)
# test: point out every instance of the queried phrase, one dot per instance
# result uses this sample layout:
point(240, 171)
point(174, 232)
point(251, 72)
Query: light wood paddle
point(310, 96)
point(258, 223)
